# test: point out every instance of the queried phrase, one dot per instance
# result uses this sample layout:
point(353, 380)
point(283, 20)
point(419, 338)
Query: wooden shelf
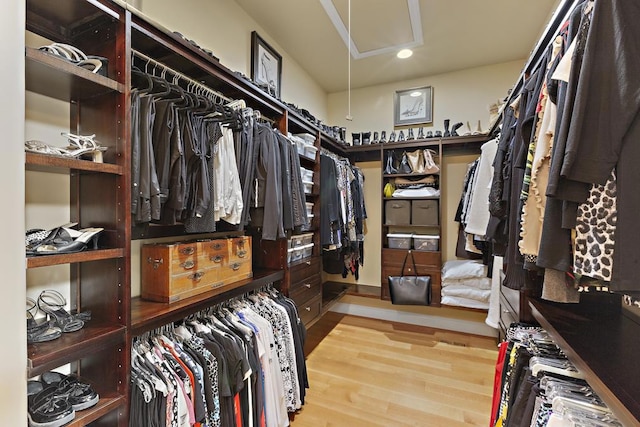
point(414, 143)
point(603, 344)
point(51, 76)
point(412, 225)
point(408, 175)
point(84, 256)
point(92, 338)
point(103, 407)
point(412, 198)
point(55, 164)
point(148, 315)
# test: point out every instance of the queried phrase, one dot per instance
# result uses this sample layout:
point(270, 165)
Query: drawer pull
point(504, 310)
point(308, 308)
point(156, 262)
point(188, 265)
point(235, 266)
point(308, 262)
point(196, 276)
point(242, 254)
point(188, 250)
point(216, 258)
point(216, 246)
point(307, 285)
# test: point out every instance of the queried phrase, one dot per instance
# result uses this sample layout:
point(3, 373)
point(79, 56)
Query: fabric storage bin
point(424, 212)
point(397, 212)
point(426, 242)
point(399, 241)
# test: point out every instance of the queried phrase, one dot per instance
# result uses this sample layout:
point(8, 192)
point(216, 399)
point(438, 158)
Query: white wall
point(225, 28)
point(13, 376)
point(459, 96)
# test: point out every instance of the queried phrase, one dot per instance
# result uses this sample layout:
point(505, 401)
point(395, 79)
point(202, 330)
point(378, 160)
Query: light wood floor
point(367, 372)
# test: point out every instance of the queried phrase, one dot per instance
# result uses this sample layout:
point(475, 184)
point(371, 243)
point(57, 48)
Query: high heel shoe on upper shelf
point(63, 240)
point(79, 147)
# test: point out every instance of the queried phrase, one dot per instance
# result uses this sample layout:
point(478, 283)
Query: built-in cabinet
point(99, 279)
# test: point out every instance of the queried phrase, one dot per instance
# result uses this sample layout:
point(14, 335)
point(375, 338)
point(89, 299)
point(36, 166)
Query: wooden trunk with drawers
point(173, 271)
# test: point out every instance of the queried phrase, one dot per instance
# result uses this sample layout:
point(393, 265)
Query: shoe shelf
point(149, 315)
point(103, 407)
point(54, 77)
point(84, 256)
point(94, 337)
point(64, 165)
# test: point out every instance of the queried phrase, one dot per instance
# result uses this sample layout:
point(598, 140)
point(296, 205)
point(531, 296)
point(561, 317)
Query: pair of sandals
point(93, 63)
point(79, 147)
point(61, 240)
point(54, 399)
point(58, 320)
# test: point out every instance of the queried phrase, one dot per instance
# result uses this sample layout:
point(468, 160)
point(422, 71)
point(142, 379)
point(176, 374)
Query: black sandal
point(39, 331)
point(53, 303)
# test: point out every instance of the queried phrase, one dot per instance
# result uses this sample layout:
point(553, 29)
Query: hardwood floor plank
point(368, 372)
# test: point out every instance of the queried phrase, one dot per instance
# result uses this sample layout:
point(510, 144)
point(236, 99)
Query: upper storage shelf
point(54, 77)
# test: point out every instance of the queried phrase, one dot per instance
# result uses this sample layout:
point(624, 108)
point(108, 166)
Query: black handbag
point(405, 167)
point(410, 290)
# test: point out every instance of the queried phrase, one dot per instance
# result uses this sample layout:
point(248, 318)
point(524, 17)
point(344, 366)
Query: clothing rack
point(180, 76)
point(334, 156)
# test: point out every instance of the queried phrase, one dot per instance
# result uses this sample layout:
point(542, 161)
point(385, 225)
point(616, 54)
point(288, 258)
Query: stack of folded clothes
point(465, 284)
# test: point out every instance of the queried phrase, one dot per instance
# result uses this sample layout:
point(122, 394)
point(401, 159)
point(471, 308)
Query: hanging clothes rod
point(179, 75)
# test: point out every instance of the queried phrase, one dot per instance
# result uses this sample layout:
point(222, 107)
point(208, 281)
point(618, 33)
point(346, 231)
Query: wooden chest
point(173, 271)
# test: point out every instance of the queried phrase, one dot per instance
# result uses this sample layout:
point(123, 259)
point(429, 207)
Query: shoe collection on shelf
point(364, 138)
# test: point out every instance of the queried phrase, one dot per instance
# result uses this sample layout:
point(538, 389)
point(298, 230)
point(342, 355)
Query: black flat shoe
point(47, 408)
point(79, 394)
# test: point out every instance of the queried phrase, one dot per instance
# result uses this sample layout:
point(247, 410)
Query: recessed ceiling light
point(415, 94)
point(405, 53)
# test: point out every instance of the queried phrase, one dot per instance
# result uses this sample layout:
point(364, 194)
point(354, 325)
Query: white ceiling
point(449, 35)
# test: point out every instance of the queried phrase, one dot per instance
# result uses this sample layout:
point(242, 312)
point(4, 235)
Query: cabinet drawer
point(305, 290)
point(507, 314)
point(305, 269)
point(510, 297)
point(310, 310)
point(424, 258)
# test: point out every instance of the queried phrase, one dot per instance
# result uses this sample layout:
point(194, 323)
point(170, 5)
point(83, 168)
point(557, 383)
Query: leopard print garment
point(595, 232)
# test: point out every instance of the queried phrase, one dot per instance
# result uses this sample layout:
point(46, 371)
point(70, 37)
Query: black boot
point(366, 138)
point(392, 137)
point(446, 129)
point(383, 137)
point(375, 138)
point(356, 139)
point(454, 129)
point(421, 133)
point(401, 136)
point(410, 135)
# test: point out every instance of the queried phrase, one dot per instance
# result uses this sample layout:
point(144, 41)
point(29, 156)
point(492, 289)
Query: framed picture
point(266, 65)
point(413, 106)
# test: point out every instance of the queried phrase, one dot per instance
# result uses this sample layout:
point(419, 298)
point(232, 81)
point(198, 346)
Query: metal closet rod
point(179, 75)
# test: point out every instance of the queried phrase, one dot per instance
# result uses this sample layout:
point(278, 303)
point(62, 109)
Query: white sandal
point(79, 146)
point(78, 57)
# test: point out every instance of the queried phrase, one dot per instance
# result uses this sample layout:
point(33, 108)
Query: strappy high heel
point(39, 331)
point(93, 63)
point(53, 303)
point(81, 146)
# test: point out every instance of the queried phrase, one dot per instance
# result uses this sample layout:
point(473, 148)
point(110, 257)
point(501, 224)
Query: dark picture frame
point(266, 65)
point(413, 106)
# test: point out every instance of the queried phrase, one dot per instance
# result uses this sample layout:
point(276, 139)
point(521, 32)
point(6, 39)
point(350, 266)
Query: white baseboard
point(457, 325)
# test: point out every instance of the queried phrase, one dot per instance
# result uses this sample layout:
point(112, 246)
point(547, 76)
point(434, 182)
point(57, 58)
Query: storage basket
point(397, 212)
point(399, 241)
point(426, 242)
point(424, 212)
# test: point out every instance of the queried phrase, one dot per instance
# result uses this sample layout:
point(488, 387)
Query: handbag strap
point(409, 253)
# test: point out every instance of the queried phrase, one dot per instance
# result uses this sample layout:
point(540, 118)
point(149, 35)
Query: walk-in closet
point(244, 213)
